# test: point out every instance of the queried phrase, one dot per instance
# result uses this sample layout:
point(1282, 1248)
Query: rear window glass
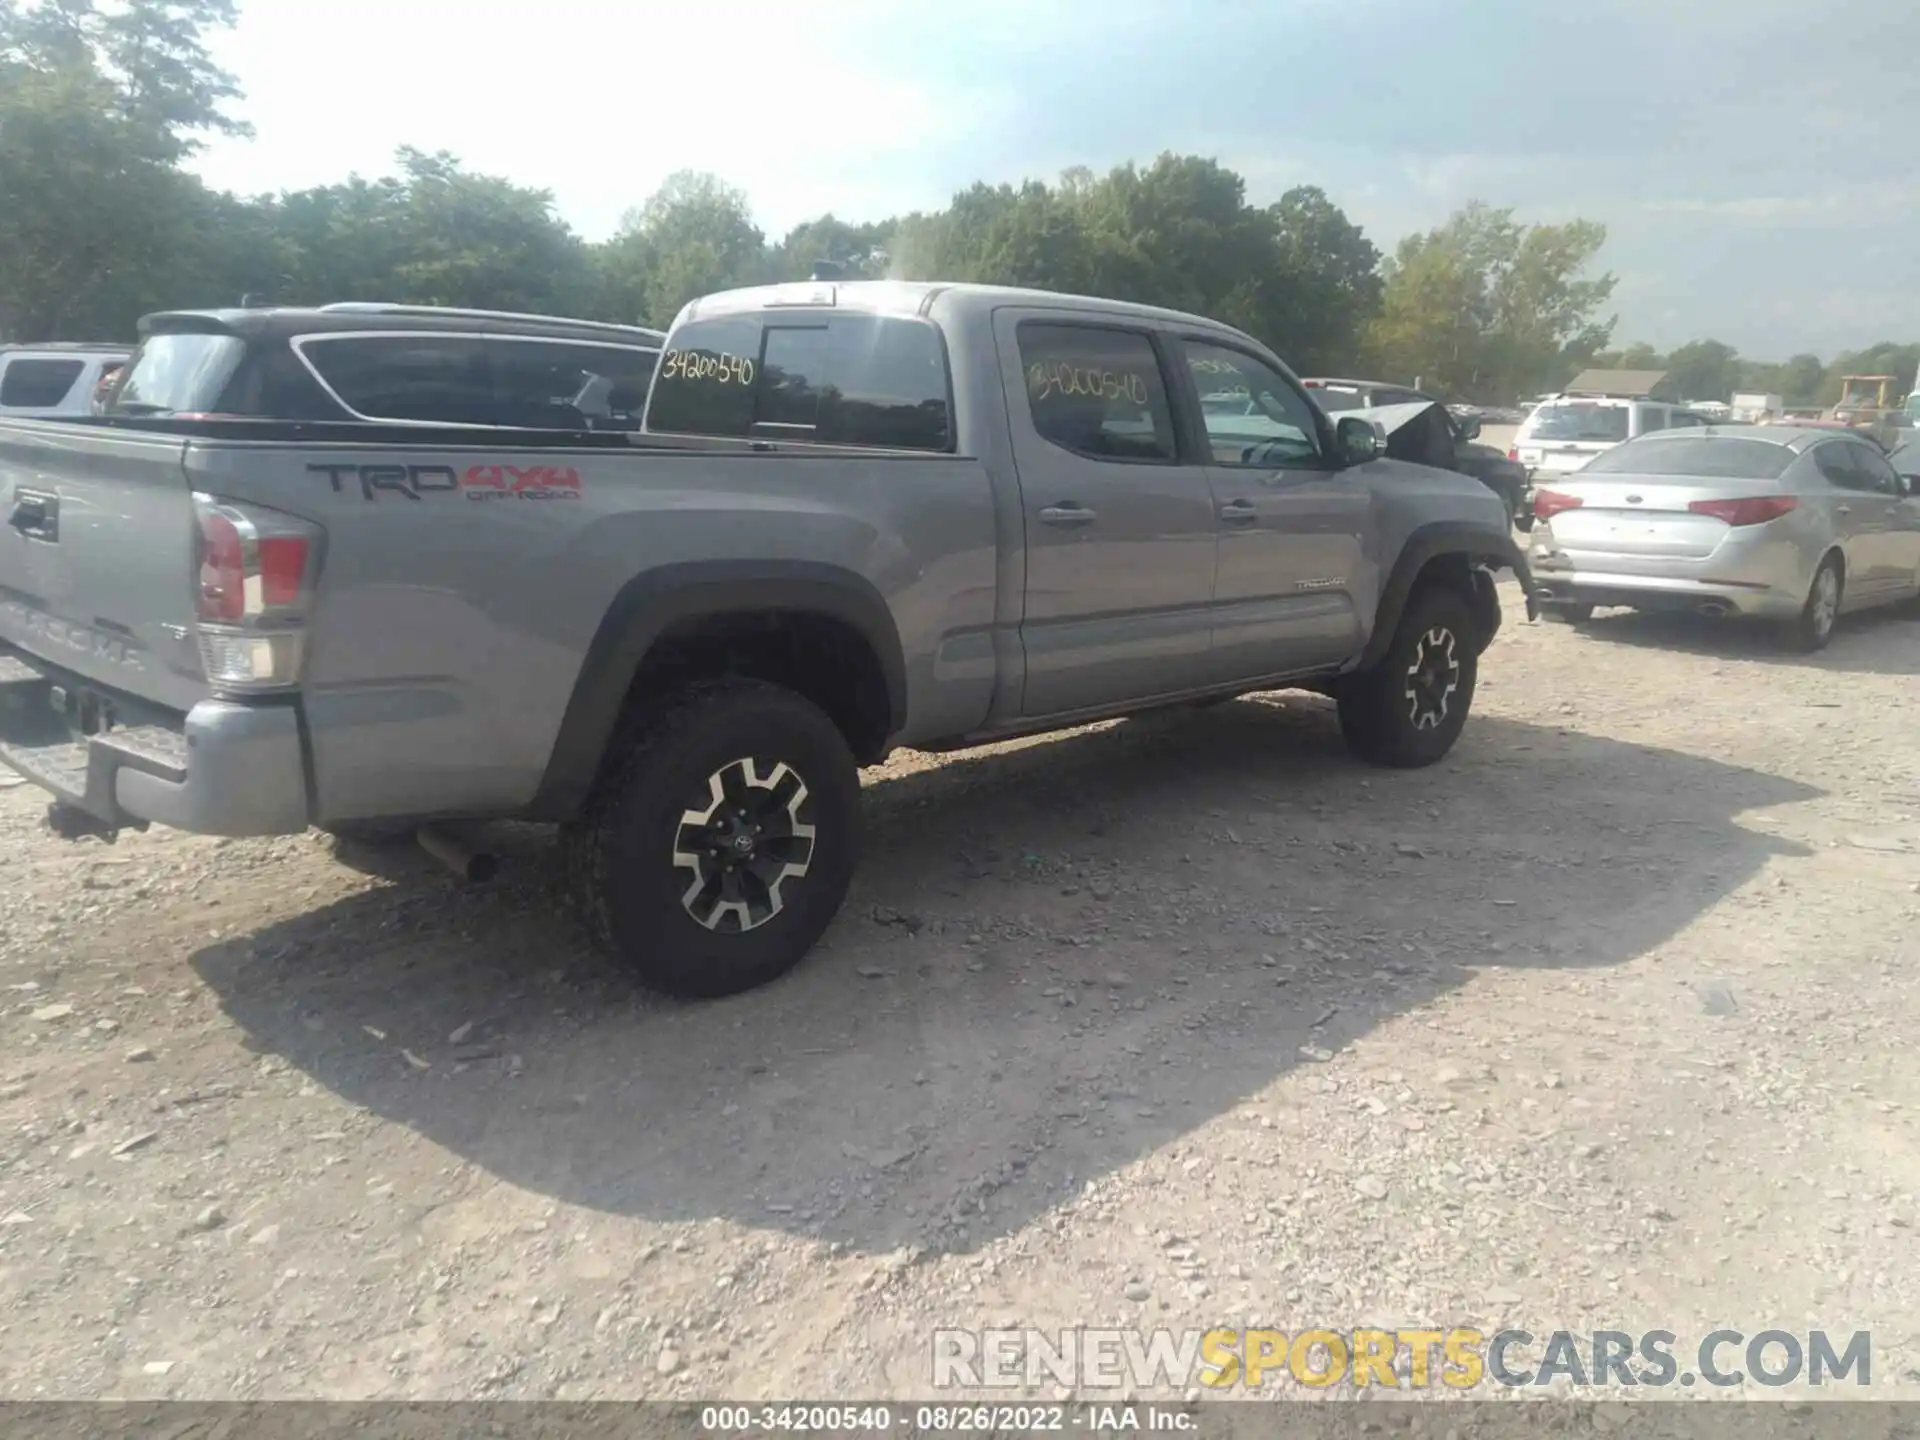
point(833, 379)
point(38, 383)
point(1724, 457)
point(1574, 421)
point(178, 372)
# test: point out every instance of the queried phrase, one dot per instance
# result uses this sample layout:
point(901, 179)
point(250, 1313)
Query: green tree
point(97, 108)
point(1637, 356)
point(694, 235)
point(433, 234)
point(484, 242)
point(1800, 379)
point(1431, 323)
point(1177, 232)
point(860, 250)
point(1326, 285)
point(1484, 307)
point(1703, 370)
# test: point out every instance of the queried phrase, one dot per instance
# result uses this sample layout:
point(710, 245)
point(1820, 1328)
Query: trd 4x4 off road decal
point(478, 482)
point(534, 482)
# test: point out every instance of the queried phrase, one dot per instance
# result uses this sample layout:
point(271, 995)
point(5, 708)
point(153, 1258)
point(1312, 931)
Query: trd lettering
point(480, 482)
point(410, 482)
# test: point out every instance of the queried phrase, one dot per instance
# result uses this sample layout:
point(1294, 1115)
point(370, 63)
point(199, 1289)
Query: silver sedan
point(1796, 526)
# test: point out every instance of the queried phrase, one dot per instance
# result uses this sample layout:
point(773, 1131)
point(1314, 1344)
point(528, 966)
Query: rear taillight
point(1748, 510)
point(1513, 454)
point(255, 585)
point(1549, 503)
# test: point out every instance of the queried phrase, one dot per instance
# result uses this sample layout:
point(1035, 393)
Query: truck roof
point(282, 321)
point(924, 298)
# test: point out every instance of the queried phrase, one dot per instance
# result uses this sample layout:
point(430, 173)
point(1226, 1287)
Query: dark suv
point(1506, 478)
point(394, 364)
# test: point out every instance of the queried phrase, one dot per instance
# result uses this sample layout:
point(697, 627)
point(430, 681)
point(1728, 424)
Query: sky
point(1756, 162)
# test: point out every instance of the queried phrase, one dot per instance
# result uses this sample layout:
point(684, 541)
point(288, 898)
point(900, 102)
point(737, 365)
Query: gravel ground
point(1185, 1021)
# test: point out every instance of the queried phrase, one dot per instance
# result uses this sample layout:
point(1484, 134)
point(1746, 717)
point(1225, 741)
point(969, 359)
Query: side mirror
point(1910, 485)
point(1358, 440)
point(1470, 428)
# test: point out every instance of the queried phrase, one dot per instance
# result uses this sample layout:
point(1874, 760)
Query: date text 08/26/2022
point(934, 1419)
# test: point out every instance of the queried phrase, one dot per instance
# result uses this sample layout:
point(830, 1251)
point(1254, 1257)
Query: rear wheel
point(1812, 628)
point(1407, 710)
point(717, 850)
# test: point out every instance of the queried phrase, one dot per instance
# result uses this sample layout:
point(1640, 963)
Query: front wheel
point(719, 846)
point(1407, 710)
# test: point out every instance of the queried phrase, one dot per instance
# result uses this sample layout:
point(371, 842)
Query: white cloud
point(1846, 205)
point(594, 99)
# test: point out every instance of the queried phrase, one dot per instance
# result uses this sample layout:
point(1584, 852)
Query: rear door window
point(1835, 462)
point(544, 384)
point(1652, 417)
point(1872, 467)
point(38, 384)
point(808, 376)
point(1099, 392)
point(426, 379)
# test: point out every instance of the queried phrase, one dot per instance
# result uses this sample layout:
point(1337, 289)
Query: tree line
point(102, 106)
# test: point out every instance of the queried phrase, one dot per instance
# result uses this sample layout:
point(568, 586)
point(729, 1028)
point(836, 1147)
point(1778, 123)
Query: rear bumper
point(224, 768)
point(1752, 571)
point(1669, 593)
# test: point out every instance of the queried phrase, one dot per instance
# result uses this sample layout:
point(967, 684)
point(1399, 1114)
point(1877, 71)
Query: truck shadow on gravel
point(1059, 958)
point(1882, 641)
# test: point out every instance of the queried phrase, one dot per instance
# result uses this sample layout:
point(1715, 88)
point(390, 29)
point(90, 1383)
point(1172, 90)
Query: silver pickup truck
point(857, 516)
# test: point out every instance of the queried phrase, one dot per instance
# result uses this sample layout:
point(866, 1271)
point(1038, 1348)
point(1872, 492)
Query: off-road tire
point(620, 853)
point(1384, 716)
point(1812, 628)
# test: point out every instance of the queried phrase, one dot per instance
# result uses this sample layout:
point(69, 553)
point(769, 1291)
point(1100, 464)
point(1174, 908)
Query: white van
point(39, 382)
point(1566, 431)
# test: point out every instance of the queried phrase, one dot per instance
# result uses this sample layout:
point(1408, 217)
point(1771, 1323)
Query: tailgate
point(1640, 516)
point(1559, 457)
point(97, 555)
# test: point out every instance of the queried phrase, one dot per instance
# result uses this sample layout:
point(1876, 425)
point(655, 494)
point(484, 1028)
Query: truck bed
point(464, 580)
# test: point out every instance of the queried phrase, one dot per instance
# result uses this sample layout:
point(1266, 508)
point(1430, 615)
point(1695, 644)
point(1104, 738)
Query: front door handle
point(1843, 509)
point(1239, 512)
point(1067, 514)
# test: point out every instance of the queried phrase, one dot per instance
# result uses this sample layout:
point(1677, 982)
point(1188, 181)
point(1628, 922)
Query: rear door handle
point(1067, 514)
point(1239, 512)
point(1843, 509)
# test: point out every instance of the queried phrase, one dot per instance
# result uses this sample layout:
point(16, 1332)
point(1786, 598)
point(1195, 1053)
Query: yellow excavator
point(1869, 403)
